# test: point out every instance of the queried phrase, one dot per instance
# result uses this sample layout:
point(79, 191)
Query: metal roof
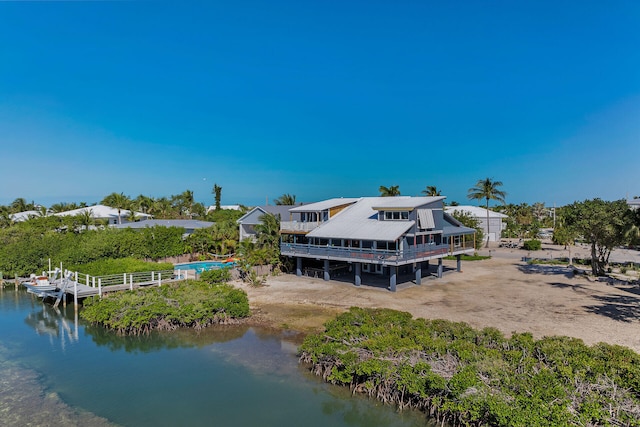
point(325, 204)
point(360, 222)
point(101, 211)
point(283, 211)
point(453, 226)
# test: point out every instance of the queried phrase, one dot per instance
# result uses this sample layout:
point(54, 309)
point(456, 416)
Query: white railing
point(298, 226)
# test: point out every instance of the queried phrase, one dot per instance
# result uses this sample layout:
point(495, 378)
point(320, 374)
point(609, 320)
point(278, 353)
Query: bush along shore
point(469, 377)
point(191, 303)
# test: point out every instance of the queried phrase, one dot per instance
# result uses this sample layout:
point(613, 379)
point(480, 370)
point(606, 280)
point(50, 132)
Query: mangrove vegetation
point(464, 376)
point(190, 303)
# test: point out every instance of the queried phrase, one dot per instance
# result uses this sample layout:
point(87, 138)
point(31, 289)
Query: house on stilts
point(386, 236)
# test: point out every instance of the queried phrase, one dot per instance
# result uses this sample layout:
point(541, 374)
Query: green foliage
point(469, 221)
point(604, 225)
point(220, 275)
point(188, 303)
point(532, 245)
point(471, 377)
point(27, 247)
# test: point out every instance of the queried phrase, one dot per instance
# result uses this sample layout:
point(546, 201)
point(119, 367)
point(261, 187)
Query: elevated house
point(387, 236)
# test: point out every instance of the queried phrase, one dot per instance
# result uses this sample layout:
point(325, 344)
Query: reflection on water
point(80, 374)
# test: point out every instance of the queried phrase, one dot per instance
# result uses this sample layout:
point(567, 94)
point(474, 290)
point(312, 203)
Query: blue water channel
point(57, 370)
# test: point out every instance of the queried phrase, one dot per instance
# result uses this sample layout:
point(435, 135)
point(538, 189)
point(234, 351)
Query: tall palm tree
point(488, 190)
point(286, 200)
point(217, 193)
point(118, 201)
point(392, 191)
point(431, 190)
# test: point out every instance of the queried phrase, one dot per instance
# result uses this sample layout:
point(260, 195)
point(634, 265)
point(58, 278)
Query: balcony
point(371, 256)
point(297, 226)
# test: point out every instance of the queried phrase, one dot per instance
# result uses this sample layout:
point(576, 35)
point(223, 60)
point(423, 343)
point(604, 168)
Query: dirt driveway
point(502, 292)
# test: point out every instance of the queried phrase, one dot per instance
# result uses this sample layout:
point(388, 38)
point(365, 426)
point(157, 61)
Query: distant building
point(190, 225)
point(106, 213)
point(248, 221)
point(496, 220)
point(24, 216)
point(225, 207)
point(634, 203)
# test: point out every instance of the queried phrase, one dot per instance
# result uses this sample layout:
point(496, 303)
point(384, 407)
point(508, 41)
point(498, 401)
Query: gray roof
point(325, 204)
point(360, 222)
point(190, 224)
point(453, 226)
point(283, 211)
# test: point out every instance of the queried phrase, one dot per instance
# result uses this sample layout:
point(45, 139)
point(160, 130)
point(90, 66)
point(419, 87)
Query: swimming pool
point(201, 266)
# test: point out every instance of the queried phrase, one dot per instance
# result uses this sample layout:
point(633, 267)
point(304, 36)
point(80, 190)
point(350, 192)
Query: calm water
point(57, 371)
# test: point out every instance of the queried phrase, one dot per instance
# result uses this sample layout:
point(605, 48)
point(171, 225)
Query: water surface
point(56, 370)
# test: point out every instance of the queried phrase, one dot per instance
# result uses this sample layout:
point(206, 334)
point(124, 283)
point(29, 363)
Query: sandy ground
point(502, 292)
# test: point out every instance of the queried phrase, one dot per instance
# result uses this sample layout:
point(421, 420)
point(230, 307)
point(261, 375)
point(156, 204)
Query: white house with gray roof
point(493, 229)
point(387, 236)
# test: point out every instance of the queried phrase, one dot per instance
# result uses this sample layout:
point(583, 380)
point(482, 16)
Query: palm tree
point(163, 207)
point(20, 205)
point(431, 190)
point(392, 191)
point(286, 200)
point(118, 201)
point(217, 192)
point(488, 190)
point(60, 207)
point(143, 203)
point(85, 218)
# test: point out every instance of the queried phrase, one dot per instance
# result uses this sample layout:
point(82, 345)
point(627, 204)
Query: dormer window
point(396, 215)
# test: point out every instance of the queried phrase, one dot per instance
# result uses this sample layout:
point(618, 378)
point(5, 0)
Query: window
point(396, 215)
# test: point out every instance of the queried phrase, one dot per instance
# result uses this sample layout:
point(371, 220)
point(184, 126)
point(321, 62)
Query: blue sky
point(319, 99)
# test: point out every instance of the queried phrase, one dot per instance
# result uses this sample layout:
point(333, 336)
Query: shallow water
point(57, 371)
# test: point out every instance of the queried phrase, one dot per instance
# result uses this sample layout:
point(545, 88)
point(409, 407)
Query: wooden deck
point(69, 287)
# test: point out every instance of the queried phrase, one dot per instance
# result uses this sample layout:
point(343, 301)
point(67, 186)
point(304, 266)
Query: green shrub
point(190, 303)
point(470, 377)
point(221, 275)
point(532, 245)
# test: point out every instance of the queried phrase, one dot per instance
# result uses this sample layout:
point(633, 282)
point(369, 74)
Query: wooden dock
point(69, 285)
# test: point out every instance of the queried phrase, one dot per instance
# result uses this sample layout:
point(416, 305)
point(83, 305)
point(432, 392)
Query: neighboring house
point(24, 216)
point(496, 220)
point(634, 203)
point(105, 212)
point(248, 221)
point(225, 207)
point(380, 235)
point(190, 225)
